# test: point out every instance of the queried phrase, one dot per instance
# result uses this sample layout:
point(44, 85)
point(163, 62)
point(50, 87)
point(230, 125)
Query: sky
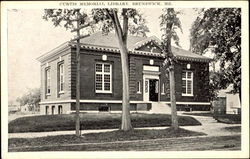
point(29, 36)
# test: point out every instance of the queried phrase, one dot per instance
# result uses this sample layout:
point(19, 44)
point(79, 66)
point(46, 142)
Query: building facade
point(101, 76)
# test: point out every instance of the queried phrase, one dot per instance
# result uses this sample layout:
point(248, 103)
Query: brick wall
point(200, 81)
point(88, 60)
point(87, 77)
point(52, 64)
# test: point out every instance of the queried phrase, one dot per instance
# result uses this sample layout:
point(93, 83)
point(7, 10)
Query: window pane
point(98, 67)
point(98, 86)
point(48, 83)
point(138, 86)
point(98, 81)
point(99, 78)
point(156, 86)
point(61, 68)
point(106, 86)
point(189, 75)
point(189, 87)
point(61, 89)
point(106, 68)
point(163, 88)
point(48, 73)
point(106, 78)
point(184, 86)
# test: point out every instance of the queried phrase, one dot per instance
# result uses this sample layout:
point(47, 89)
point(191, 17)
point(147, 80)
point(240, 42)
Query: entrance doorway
point(151, 78)
point(153, 89)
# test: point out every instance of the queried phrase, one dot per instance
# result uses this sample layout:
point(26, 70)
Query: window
point(47, 81)
point(47, 110)
point(163, 88)
point(187, 83)
point(53, 110)
point(104, 108)
point(61, 78)
point(59, 109)
point(103, 76)
point(139, 87)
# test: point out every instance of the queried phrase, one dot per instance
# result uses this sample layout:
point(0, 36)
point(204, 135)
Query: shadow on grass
point(233, 129)
point(92, 121)
point(228, 118)
point(112, 136)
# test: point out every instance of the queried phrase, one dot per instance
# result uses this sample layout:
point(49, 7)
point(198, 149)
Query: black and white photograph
point(143, 79)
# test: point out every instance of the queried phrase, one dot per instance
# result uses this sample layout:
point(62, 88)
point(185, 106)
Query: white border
point(168, 154)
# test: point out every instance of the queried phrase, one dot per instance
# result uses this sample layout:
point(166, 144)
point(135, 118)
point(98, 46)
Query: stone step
point(158, 107)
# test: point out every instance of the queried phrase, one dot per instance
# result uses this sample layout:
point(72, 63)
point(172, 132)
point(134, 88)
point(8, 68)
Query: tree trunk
point(122, 39)
point(126, 121)
point(174, 123)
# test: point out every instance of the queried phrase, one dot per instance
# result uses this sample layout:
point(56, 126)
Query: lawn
point(229, 118)
point(113, 136)
point(233, 129)
point(93, 121)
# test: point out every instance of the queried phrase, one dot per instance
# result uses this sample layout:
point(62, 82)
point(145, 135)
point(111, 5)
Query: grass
point(233, 129)
point(92, 121)
point(229, 118)
point(112, 136)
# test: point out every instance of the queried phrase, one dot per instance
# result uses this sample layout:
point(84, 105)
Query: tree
point(218, 30)
point(129, 21)
point(68, 17)
point(31, 98)
point(169, 23)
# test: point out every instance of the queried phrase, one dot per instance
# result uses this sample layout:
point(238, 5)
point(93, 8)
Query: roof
point(134, 42)
point(187, 55)
point(109, 42)
point(230, 88)
point(224, 92)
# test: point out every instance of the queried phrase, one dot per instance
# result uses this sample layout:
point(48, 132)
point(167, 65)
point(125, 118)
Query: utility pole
point(77, 39)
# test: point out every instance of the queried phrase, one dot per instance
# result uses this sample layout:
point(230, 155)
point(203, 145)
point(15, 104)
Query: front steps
point(160, 108)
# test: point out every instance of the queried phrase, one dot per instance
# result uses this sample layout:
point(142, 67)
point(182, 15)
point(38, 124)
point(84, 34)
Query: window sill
point(163, 93)
point(61, 92)
point(188, 95)
point(102, 92)
point(138, 92)
point(48, 94)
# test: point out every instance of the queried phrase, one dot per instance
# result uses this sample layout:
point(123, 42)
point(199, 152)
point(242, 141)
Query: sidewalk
point(209, 126)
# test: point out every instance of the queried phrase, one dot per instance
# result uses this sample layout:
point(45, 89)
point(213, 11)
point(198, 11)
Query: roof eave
point(193, 59)
point(53, 52)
